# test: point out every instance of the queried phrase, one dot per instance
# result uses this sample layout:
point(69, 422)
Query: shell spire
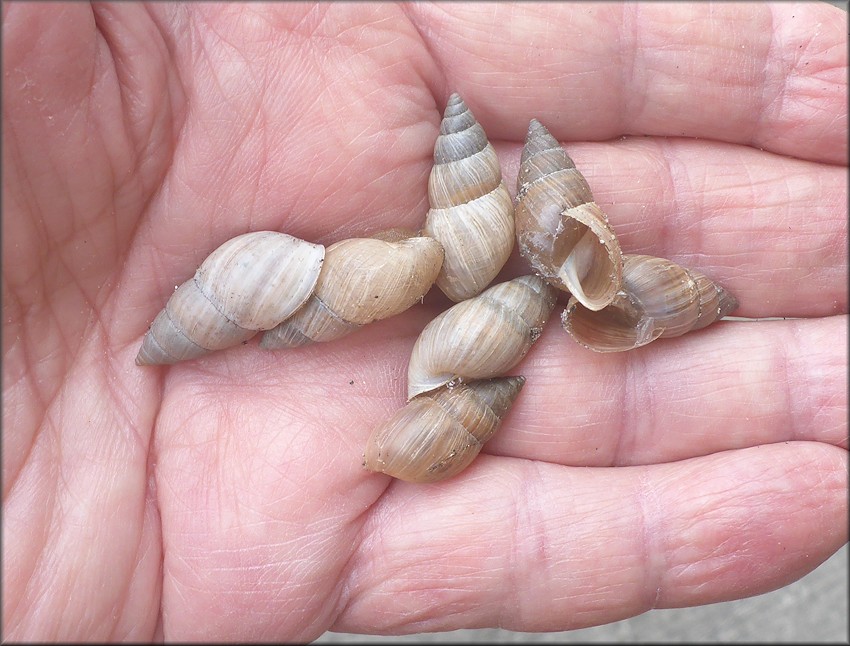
point(561, 231)
point(471, 210)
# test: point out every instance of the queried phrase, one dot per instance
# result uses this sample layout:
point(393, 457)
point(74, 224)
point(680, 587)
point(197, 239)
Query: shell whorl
point(438, 434)
point(561, 231)
point(249, 283)
point(481, 337)
point(362, 280)
point(659, 299)
point(471, 210)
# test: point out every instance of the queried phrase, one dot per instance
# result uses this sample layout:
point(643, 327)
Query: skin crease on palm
point(224, 499)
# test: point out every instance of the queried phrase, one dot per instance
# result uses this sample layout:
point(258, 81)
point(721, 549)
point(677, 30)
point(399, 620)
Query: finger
point(732, 385)
point(47, 79)
point(80, 166)
point(772, 230)
point(534, 547)
point(771, 75)
point(86, 131)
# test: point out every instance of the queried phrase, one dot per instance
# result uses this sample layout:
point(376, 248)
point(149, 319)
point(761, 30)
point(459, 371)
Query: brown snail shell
point(362, 280)
point(659, 299)
point(561, 231)
point(251, 282)
point(481, 337)
point(471, 209)
point(438, 434)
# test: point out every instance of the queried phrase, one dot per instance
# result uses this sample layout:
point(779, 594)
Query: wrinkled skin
point(223, 499)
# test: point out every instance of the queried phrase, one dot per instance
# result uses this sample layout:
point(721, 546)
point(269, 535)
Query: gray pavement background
point(811, 610)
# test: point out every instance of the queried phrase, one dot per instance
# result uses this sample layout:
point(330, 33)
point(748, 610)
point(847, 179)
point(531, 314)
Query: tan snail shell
point(482, 337)
point(438, 434)
point(471, 209)
point(561, 231)
point(251, 282)
point(659, 299)
point(362, 280)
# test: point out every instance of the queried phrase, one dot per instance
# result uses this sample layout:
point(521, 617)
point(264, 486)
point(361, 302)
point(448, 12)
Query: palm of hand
point(224, 498)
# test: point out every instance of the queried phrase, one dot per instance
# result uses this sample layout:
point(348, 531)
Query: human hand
point(223, 499)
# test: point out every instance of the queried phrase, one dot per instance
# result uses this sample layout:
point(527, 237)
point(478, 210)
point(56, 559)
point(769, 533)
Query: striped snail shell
point(481, 337)
point(561, 231)
point(362, 280)
point(659, 299)
point(251, 282)
point(438, 434)
point(471, 209)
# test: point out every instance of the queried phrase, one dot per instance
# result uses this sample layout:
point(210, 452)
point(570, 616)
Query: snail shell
point(561, 231)
point(251, 282)
point(482, 337)
point(438, 434)
point(471, 209)
point(362, 280)
point(659, 299)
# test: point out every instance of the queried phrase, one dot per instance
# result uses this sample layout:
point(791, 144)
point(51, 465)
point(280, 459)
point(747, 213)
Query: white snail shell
point(251, 282)
point(471, 209)
point(481, 337)
point(362, 280)
point(561, 231)
point(659, 299)
point(438, 434)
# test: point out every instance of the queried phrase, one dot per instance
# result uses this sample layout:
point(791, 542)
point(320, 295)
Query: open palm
point(224, 498)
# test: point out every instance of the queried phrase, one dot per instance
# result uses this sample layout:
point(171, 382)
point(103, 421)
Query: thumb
point(88, 126)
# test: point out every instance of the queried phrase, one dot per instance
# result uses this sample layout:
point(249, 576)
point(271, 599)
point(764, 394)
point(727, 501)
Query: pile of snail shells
point(459, 389)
